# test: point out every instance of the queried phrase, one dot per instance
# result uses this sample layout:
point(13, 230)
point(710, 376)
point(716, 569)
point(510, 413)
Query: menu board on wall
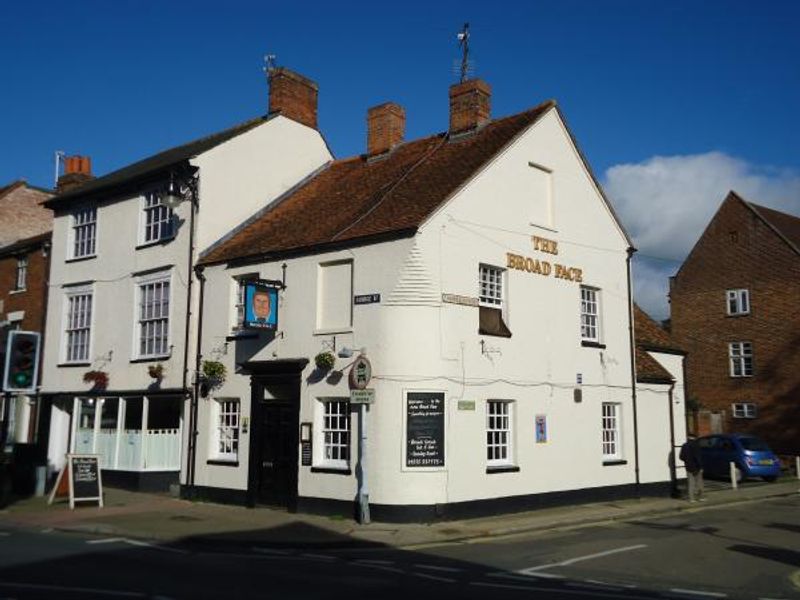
point(425, 429)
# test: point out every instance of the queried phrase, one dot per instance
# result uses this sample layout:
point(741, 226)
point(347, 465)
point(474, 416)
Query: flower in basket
point(325, 361)
point(214, 372)
point(98, 378)
point(156, 371)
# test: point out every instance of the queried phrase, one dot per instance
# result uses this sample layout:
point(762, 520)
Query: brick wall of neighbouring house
point(738, 250)
point(33, 299)
point(21, 213)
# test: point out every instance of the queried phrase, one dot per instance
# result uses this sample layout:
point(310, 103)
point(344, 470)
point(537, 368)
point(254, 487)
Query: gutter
point(632, 340)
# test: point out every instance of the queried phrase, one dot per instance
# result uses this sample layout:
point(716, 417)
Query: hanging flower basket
point(156, 371)
point(98, 379)
point(325, 361)
point(214, 373)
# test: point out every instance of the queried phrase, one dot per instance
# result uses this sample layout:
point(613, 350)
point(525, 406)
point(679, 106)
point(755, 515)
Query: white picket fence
point(156, 450)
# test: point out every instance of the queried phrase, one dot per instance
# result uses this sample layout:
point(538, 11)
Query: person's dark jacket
point(690, 455)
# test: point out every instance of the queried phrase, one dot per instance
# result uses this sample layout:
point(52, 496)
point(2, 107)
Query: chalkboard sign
point(81, 477)
point(425, 429)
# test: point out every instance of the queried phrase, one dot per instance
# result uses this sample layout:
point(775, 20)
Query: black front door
point(278, 452)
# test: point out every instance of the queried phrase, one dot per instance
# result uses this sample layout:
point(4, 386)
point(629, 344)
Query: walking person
point(690, 455)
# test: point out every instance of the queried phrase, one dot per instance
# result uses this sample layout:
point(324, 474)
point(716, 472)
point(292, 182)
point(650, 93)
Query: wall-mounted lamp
point(179, 190)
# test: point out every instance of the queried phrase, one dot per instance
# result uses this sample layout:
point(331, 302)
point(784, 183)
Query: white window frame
point(324, 327)
point(237, 316)
point(83, 233)
point(139, 321)
point(744, 410)
point(590, 314)
point(611, 418)
point(152, 207)
point(499, 433)
point(334, 447)
point(740, 359)
point(738, 302)
point(21, 274)
point(491, 286)
point(227, 431)
point(74, 325)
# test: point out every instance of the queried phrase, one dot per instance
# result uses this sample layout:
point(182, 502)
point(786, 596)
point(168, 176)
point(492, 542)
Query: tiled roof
point(156, 163)
point(362, 197)
point(650, 336)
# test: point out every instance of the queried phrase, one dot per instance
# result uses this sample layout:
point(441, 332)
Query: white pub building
point(486, 278)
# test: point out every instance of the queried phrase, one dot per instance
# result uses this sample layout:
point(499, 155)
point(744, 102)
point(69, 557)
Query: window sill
point(241, 334)
point(80, 258)
point(74, 364)
point(734, 315)
point(332, 470)
point(588, 344)
point(741, 376)
point(614, 463)
point(19, 291)
point(218, 462)
point(502, 469)
point(143, 359)
point(155, 243)
point(335, 330)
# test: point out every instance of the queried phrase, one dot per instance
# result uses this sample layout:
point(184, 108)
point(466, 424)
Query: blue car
point(752, 457)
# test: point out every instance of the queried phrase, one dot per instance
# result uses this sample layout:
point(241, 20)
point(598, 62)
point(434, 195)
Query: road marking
point(63, 588)
point(434, 577)
point(525, 577)
point(605, 587)
point(795, 579)
point(572, 561)
point(369, 561)
point(269, 550)
point(698, 593)
point(105, 541)
point(370, 565)
point(318, 556)
point(438, 568)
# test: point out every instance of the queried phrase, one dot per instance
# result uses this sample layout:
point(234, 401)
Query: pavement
point(164, 519)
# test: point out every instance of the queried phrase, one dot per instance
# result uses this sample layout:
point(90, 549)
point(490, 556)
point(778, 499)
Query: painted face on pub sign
point(261, 305)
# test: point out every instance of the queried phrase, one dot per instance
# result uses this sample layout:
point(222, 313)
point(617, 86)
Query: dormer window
point(84, 232)
point(157, 220)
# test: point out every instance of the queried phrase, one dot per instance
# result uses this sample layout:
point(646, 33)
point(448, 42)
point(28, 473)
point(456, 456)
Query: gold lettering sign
point(543, 268)
point(541, 244)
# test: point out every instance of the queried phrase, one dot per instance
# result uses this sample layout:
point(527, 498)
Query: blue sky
point(708, 82)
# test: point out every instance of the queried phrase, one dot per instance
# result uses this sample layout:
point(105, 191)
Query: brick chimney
point(77, 171)
point(293, 96)
point(386, 125)
point(470, 105)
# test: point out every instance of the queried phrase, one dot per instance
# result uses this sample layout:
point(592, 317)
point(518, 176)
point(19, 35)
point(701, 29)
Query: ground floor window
point(334, 429)
point(226, 442)
point(498, 432)
point(744, 410)
point(611, 438)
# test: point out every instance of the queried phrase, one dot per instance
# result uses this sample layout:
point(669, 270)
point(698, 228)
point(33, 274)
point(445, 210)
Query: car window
point(754, 444)
point(706, 442)
point(726, 445)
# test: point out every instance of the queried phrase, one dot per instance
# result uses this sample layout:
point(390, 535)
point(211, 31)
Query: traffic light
point(22, 361)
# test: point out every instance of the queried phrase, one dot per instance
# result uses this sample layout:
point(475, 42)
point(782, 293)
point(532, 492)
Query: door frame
point(263, 374)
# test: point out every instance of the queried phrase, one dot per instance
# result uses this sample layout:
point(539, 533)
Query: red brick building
point(735, 310)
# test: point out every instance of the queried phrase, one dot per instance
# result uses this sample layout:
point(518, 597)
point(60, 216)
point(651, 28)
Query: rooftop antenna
point(463, 41)
point(269, 63)
point(59, 159)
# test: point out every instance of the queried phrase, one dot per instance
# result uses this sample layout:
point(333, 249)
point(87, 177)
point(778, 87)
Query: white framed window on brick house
point(157, 220)
point(740, 356)
point(21, 280)
point(151, 337)
point(590, 314)
point(738, 302)
point(499, 433)
point(612, 450)
point(333, 429)
point(744, 410)
point(335, 296)
point(225, 446)
point(493, 314)
point(77, 339)
point(83, 233)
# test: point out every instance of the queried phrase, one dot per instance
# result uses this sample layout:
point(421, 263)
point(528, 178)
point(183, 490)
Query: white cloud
point(665, 203)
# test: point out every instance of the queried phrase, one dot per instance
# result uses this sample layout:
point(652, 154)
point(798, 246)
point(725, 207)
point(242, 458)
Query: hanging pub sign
point(261, 304)
point(360, 373)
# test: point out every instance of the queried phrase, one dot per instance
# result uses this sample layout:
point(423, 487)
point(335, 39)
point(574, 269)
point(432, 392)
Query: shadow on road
point(782, 555)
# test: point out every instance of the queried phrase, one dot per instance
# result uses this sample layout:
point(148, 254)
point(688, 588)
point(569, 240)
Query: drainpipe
point(198, 270)
point(193, 201)
point(673, 477)
point(632, 336)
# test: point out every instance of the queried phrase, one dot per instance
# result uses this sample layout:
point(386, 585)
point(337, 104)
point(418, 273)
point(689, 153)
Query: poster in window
point(260, 305)
point(425, 429)
point(541, 429)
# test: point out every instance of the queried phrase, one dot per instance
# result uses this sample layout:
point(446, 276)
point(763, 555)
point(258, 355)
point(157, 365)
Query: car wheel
point(769, 479)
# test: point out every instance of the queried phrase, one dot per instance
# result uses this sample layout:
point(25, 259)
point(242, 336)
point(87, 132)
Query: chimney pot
point(386, 124)
point(470, 105)
point(293, 96)
point(77, 171)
